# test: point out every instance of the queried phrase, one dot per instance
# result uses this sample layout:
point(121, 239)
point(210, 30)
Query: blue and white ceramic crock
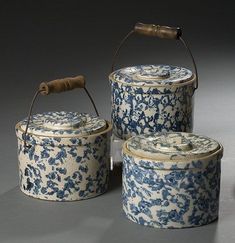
point(151, 98)
point(171, 180)
point(67, 157)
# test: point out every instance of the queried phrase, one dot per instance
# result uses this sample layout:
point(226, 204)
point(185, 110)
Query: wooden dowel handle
point(164, 32)
point(61, 85)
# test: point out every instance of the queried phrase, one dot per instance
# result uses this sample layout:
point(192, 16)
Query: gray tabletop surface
point(24, 219)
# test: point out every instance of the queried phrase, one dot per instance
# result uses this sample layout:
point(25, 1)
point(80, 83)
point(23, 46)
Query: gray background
point(44, 40)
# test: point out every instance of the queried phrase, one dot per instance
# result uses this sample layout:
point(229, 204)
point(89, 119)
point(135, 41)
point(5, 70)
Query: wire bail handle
point(57, 86)
point(163, 32)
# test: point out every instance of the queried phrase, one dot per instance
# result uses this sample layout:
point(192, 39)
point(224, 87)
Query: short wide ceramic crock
point(151, 98)
point(66, 158)
point(171, 180)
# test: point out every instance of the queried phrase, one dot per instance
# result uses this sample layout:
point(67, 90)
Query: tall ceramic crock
point(171, 180)
point(152, 98)
point(63, 156)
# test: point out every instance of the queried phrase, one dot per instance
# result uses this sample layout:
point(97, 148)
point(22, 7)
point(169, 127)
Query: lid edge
point(127, 151)
point(191, 78)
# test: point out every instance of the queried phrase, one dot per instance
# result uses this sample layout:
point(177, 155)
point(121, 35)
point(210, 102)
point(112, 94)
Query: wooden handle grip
point(61, 85)
point(165, 32)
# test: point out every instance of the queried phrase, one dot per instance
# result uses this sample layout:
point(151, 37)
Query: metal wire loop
point(31, 109)
point(123, 41)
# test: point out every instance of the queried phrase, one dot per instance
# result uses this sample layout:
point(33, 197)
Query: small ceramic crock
point(152, 98)
point(171, 180)
point(63, 156)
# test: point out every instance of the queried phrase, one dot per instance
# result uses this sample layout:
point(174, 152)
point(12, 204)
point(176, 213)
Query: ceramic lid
point(64, 124)
point(172, 146)
point(152, 75)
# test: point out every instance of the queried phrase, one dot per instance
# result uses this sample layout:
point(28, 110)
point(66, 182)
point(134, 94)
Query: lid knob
point(171, 143)
point(63, 120)
point(157, 73)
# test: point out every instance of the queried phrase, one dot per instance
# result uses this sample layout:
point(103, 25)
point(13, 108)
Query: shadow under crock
point(115, 178)
point(125, 231)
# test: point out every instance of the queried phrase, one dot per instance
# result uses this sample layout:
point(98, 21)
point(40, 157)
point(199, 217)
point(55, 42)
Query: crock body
point(64, 169)
point(174, 198)
point(142, 110)
point(171, 180)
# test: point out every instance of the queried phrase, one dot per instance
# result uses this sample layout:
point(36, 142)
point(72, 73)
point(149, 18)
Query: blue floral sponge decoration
point(151, 98)
point(171, 180)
